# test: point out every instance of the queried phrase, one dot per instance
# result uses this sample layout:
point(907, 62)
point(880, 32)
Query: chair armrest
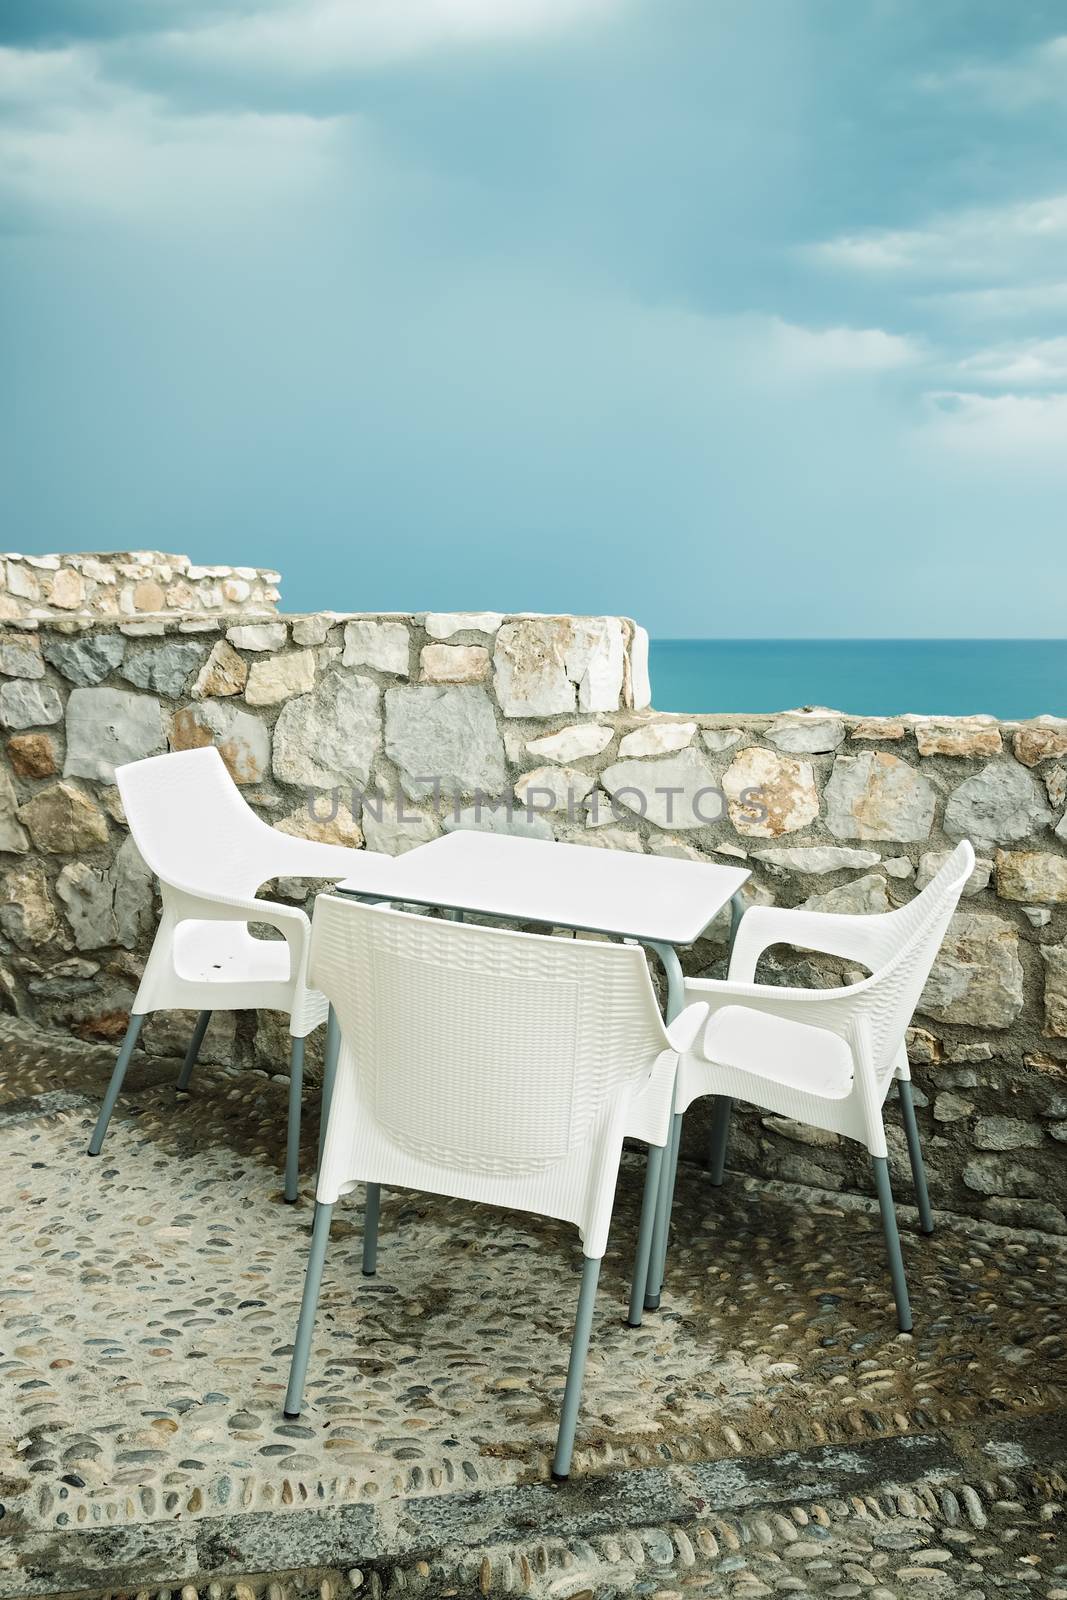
point(867, 939)
point(685, 1027)
point(816, 1008)
point(293, 924)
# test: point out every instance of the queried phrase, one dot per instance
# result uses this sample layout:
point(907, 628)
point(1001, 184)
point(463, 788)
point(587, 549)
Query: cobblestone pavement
point(768, 1431)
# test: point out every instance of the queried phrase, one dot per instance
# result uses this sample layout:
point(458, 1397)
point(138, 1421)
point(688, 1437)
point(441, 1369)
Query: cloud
point(310, 37)
point(1005, 424)
point(990, 242)
point(793, 349)
point(76, 144)
point(1003, 302)
point(1036, 75)
point(1034, 363)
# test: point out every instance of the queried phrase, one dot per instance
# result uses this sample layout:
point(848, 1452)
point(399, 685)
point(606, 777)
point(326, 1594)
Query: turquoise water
point(867, 677)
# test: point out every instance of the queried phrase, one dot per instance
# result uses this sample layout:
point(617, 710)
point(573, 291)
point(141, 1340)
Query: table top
point(656, 899)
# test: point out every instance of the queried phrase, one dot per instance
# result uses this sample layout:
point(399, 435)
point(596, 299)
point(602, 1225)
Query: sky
point(745, 318)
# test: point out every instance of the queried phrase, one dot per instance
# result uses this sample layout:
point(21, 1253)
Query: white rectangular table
point(656, 900)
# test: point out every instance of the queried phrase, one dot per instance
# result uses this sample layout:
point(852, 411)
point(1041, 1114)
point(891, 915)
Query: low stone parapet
point(128, 583)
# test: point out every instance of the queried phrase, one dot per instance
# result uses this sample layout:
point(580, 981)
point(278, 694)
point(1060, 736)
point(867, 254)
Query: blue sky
point(742, 317)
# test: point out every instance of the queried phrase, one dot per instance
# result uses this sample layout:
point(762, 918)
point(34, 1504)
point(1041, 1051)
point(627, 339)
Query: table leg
point(669, 1169)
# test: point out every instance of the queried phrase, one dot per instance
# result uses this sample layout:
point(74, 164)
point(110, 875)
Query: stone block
point(162, 668)
point(770, 794)
point(383, 646)
point(84, 659)
point(223, 673)
point(240, 738)
point(571, 744)
point(331, 736)
point(878, 796)
point(998, 805)
point(108, 727)
point(443, 624)
point(444, 741)
point(675, 791)
point(453, 663)
point(977, 978)
point(62, 820)
point(20, 656)
point(931, 862)
point(1054, 957)
point(657, 739)
point(961, 738)
point(1032, 875)
point(801, 734)
point(278, 678)
point(27, 704)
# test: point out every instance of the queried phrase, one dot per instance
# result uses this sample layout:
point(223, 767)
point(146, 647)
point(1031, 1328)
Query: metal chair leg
point(329, 1073)
point(194, 1050)
point(720, 1137)
point(918, 1171)
point(657, 1264)
point(572, 1394)
point(644, 1234)
point(892, 1242)
point(370, 1229)
point(320, 1233)
point(292, 1138)
point(115, 1086)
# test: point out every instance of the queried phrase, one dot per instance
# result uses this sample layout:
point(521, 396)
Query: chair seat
point(224, 952)
point(776, 1050)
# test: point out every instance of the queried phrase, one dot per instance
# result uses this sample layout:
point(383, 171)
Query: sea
point(1006, 678)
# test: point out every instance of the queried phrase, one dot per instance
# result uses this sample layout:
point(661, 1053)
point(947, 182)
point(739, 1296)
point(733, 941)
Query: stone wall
point(828, 811)
point(128, 583)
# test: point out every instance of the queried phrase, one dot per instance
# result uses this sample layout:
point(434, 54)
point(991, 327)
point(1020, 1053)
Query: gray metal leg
point(720, 1137)
point(738, 908)
point(918, 1171)
point(329, 1073)
point(320, 1233)
point(644, 1234)
point(572, 1394)
point(194, 1050)
point(115, 1086)
point(892, 1242)
point(371, 1212)
point(292, 1138)
point(669, 1169)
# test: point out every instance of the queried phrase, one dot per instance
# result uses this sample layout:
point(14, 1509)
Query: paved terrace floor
point(767, 1432)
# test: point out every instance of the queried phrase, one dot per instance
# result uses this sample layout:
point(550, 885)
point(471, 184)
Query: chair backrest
point(480, 1050)
point(191, 824)
point(887, 999)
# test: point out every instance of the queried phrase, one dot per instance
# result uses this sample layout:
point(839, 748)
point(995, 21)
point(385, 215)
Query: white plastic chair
point(492, 1066)
point(827, 1057)
point(211, 853)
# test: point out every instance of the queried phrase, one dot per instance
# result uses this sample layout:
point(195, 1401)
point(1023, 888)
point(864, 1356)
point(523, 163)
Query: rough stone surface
point(1054, 957)
point(546, 665)
point(977, 977)
point(383, 646)
point(162, 668)
point(571, 744)
point(1035, 743)
point(818, 858)
point(27, 915)
point(454, 663)
point(13, 836)
point(806, 735)
point(108, 727)
point(443, 624)
point(330, 736)
point(27, 704)
point(324, 823)
point(957, 739)
point(657, 739)
point(890, 728)
point(676, 791)
point(86, 658)
point(397, 830)
point(312, 630)
point(444, 741)
point(32, 755)
point(554, 789)
point(1002, 1175)
point(63, 819)
point(862, 897)
point(931, 862)
point(20, 656)
point(278, 678)
point(998, 805)
point(223, 673)
point(241, 739)
point(719, 739)
point(878, 796)
point(1006, 1133)
point(258, 636)
point(1032, 875)
point(770, 794)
